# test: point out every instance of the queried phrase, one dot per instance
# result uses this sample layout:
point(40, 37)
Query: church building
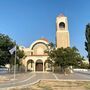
point(36, 58)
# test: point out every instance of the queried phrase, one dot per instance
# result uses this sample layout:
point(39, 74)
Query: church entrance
point(39, 65)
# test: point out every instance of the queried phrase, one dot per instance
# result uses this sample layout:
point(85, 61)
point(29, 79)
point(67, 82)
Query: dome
point(43, 39)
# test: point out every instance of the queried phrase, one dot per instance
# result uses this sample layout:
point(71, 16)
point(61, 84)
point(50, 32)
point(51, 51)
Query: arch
point(38, 41)
point(62, 25)
point(30, 65)
point(48, 65)
point(39, 65)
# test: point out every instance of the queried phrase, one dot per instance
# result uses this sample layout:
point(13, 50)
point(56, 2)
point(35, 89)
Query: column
point(34, 66)
point(25, 68)
point(43, 66)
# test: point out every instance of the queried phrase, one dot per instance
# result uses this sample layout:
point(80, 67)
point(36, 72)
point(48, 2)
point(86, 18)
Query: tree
point(65, 57)
point(87, 43)
point(6, 43)
point(50, 46)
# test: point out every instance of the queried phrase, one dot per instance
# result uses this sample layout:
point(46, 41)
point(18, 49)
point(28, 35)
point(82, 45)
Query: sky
point(28, 20)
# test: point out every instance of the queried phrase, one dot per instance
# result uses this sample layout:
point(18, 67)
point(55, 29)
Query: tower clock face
point(61, 25)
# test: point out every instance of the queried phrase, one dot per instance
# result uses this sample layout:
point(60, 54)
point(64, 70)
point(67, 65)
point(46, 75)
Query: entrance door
point(39, 66)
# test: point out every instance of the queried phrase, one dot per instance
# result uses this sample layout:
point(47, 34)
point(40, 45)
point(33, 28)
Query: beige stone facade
point(62, 33)
point(36, 59)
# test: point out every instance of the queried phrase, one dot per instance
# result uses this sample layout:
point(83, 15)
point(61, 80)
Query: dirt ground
point(58, 85)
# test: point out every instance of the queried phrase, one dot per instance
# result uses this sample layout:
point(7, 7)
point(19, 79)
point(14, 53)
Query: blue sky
point(28, 20)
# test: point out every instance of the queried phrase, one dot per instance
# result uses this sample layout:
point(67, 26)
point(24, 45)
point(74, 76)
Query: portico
point(37, 63)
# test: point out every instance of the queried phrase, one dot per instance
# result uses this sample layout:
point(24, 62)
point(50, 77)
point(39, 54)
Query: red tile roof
point(44, 39)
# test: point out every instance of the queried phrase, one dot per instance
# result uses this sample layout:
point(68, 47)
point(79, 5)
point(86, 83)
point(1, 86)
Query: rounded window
point(62, 25)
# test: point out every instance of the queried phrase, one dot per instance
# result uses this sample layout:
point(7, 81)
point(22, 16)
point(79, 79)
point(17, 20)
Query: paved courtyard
point(30, 78)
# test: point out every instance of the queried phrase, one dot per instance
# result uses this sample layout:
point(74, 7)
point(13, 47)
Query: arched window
point(62, 25)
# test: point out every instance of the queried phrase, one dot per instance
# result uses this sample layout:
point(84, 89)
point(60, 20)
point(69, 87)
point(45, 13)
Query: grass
point(58, 85)
point(87, 86)
point(43, 86)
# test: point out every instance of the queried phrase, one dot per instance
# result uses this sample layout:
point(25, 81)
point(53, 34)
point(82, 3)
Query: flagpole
point(15, 66)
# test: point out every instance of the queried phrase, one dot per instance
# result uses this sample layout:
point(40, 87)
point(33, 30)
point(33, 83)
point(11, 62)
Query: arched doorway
point(39, 65)
point(30, 65)
point(48, 65)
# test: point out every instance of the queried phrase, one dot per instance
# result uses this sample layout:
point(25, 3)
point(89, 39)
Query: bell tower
point(62, 33)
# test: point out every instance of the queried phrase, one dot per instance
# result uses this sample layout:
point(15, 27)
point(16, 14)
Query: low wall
point(85, 70)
